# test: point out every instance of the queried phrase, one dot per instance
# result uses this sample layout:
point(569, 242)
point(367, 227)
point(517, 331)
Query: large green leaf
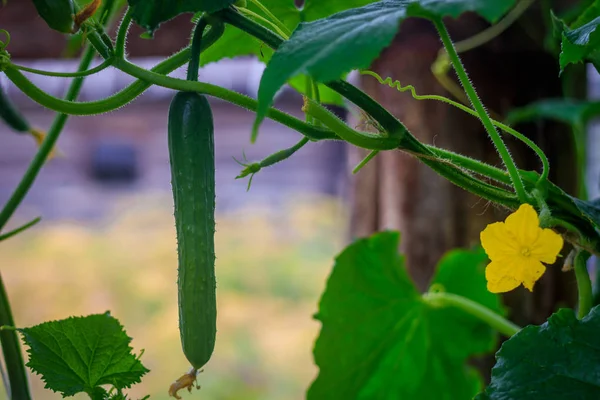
point(381, 340)
point(79, 354)
point(555, 361)
point(327, 48)
point(151, 13)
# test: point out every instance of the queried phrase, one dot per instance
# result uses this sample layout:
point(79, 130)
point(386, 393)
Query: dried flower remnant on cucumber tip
point(517, 249)
point(185, 381)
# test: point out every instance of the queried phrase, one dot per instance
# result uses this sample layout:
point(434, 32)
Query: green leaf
point(581, 44)
point(589, 209)
point(328, 48)
point(236, 42)
point(591, 11)
point(149, 14)
point(569, 111)
point(316, 9)
point(78, 354)
point(380, 340)
point(491, 10)
point(557, 360)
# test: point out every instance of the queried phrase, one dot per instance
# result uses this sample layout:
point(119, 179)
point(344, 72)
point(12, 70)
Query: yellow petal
point(498, 242)
point(501, 276)
point(547, 247)
point(531, 271)
point(524, 224)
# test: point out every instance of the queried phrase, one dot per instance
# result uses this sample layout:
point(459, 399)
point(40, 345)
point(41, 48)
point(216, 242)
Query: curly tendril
point(4, 43)
point(395, 84)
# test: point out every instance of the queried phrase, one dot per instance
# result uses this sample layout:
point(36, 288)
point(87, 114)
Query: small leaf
point(568, 209)
point(557, 360)
point(581, 44)
point(79, 354)
point(380, 340)
point(328, 48)
point(149, 14)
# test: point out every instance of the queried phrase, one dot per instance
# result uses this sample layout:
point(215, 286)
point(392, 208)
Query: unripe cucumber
point(191, 150)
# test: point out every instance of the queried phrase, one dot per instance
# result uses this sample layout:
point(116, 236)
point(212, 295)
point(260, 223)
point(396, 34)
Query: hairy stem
point(122, 34)
point(496, 321)
point(196, 49)
point(398, 86)
point(479, 108)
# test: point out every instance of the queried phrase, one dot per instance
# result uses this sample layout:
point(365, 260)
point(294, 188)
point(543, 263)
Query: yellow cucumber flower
point(517, 248)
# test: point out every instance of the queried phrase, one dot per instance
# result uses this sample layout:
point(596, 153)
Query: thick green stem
point(196, 49)
point(117, 100)
point(478, 106)
point(471, 164)
point(135, 89)
point(496, 321)
point(11, 350)
point(122, 34)
point(366, 140)
point(584, 283)
point(47, 145)
point(310, 131)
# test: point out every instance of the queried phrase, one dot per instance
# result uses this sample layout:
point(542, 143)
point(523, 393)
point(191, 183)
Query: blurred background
point(107, 238)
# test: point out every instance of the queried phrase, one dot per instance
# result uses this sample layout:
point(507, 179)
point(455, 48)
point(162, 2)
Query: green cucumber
point(58, 14)
point(11, 115)
point(191, 151)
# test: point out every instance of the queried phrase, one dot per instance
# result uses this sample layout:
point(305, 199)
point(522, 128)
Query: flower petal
point(498, 242)
point(531, 271)
point(501, 276)
point(524, 225)
point(547, 247)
